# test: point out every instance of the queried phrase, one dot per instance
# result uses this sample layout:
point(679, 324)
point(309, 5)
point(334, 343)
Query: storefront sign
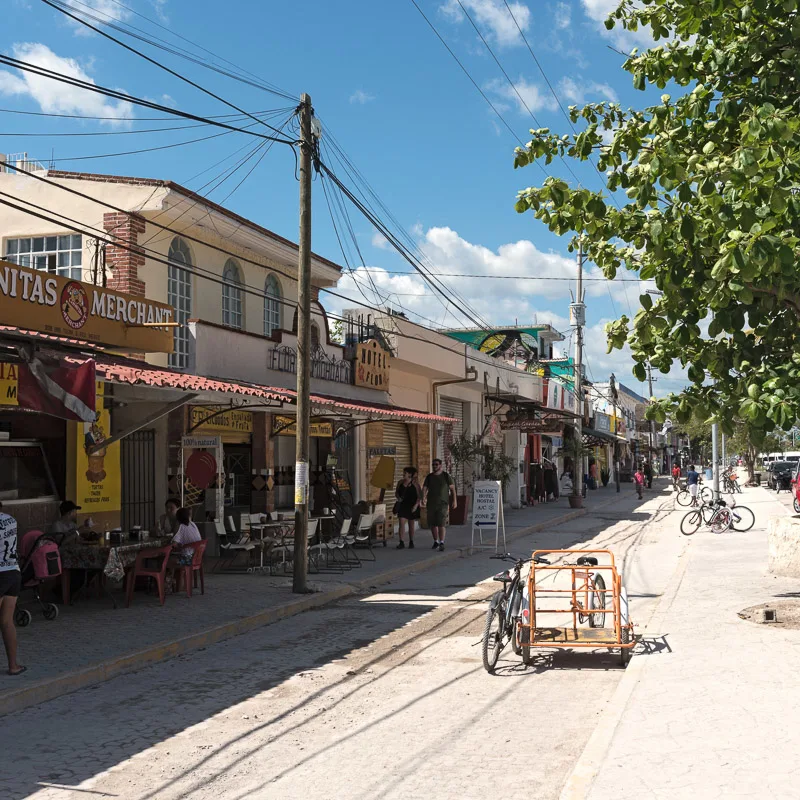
point(284, 359)
point(229, 421)
point(602, 422)
point(39, 301)
point(95, 483)
point(372, 365)
point(287, 426)
point(382, 451)
point(8, 384)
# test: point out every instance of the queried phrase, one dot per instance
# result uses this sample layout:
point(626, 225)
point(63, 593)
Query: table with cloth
point(110, 559)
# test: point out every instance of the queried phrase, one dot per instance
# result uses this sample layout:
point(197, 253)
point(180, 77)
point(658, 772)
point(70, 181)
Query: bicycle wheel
point(683, 497)
point(597, 599)
point(721, 521)
point(743, 518)
point(625, 653)
point(525, 635)
point(691, 522)
point(516, 606)
point(493, 632)
point(706, 494)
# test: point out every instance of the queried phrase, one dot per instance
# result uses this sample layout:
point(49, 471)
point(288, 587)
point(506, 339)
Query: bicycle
point(504, 611)
point(704, 495)
point(718, 516)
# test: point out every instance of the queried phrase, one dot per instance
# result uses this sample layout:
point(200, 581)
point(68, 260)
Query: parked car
point(780, 471)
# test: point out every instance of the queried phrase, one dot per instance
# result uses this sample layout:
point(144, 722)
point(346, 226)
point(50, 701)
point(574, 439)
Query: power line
point(502, 277)
point(122, 96)
point(58, 6)
point(116, 119)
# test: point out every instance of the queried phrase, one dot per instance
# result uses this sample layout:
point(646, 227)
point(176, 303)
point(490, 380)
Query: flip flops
point(19, 672)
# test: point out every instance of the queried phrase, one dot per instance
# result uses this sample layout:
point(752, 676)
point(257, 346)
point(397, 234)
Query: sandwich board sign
point(487, 511)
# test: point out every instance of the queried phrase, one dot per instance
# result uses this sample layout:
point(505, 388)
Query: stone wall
point(783, 536)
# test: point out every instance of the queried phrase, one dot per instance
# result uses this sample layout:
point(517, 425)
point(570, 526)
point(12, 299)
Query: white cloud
point(380, 241)
point(53, 96)
point(527, 94)
point(598, 11)
point(581, 91)
point(160, 6)
point(361, 97)
point(562, 16)
point(492, 17)
point(107, 10)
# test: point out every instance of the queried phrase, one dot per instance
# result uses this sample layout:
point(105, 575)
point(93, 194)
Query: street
point(383, 695)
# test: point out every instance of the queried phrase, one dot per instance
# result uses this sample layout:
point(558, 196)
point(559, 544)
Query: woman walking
point(10, 582)
point(409, 497)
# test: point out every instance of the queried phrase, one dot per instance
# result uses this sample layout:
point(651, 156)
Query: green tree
point(711, 208)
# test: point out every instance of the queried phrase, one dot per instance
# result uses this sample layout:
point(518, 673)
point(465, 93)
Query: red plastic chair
point(141, 569)
point(195, 568)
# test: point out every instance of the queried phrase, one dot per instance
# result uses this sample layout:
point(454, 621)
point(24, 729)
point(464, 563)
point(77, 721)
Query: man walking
point(692, 481)
point(438, 495)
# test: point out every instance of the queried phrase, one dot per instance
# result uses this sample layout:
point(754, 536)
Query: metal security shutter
point(395, 434)
point(455, 409)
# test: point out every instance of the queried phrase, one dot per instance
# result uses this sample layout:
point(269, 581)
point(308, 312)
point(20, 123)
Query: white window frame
point(179, 296)
point(232, 304)
point(273, 305)
point(59, 254)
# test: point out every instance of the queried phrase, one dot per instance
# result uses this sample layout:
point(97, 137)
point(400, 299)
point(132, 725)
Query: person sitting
point(168, 523)
point(67, 523)
point(186, 534)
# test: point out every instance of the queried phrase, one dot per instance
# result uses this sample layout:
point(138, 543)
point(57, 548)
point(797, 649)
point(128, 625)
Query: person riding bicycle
point(692, 481)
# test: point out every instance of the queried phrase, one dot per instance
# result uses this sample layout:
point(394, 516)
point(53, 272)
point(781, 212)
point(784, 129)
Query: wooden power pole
point(578, 319)
point(301, 476)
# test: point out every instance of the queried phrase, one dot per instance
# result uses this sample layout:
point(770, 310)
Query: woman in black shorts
point(10, 582)
point(409, 496)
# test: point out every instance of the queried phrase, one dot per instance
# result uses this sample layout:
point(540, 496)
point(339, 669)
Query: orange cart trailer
point(594, 595)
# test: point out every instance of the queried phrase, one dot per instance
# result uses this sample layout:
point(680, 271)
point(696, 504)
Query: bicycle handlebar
point(509, 557)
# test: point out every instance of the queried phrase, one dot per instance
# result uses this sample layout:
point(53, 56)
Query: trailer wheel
point(625, 653)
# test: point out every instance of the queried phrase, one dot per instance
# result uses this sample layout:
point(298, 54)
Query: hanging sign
point(287, 426)
point(372, 365)
point(487, 511)
point(8, 384)
point(35, 300)
point(231, 421)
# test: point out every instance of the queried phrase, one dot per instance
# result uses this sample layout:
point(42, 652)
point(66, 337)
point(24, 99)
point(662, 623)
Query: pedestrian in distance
point(438, 496)
point(10, 585)
point(676, 477)
point(638, 481)
point(406, 508)
point(648, 474)
point(692, 483)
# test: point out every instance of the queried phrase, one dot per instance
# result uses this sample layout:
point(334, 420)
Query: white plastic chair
point(229, 550)
point(363, 534)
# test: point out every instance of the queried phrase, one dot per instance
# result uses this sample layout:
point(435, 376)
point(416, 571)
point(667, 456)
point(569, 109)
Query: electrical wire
point(122, 96)
point(116, 119)
point(504, 277)
point(58, 6)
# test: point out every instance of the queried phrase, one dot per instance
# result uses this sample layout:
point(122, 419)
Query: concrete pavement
point(379, 695)
point(713, 713)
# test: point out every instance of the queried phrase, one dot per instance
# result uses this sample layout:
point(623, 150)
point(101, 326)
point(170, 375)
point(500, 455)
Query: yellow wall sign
point(39, 301)
point(287, 426)
point(372, 365)
point(94, 480)
point(8, 384)
point(231, 421)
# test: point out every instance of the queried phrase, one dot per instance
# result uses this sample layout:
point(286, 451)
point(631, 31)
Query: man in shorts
point(692, 482)
point(10, 583)
point(438, 495)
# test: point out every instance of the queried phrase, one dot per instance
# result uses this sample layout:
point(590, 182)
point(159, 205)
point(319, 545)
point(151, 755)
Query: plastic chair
point(193, 570)
point(141, 569)
point(363, 535)
point(230, 545)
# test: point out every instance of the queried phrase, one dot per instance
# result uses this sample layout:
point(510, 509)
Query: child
point(638, 479)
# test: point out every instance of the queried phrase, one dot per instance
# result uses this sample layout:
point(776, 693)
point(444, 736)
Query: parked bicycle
point(730, 482)
point(704, 495)
point(504, 611)
point(719, 517)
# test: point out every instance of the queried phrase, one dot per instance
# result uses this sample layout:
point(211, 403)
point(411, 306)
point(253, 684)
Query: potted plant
point(462, 451)
point(498, 467)
point(605, 476)
point(574, 449)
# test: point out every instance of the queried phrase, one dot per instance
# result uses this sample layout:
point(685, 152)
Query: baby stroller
point(39, 560)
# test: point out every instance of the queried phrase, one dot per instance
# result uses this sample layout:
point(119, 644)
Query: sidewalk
point(710, 706)
point(92, 642)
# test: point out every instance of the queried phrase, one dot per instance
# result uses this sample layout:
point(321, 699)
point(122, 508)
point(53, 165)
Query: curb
point(49, 689)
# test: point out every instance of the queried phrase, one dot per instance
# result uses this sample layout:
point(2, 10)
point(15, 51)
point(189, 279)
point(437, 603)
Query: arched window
point(179, 296)
point(314, 336)
point(272, 305)
point(232, 313)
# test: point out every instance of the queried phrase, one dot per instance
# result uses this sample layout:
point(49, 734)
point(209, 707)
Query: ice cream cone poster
point(97, 475)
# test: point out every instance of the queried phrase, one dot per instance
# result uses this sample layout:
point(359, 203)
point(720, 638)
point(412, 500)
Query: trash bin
point(757, 478)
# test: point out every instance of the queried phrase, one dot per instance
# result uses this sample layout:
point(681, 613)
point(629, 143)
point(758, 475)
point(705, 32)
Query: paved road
point(379, 696)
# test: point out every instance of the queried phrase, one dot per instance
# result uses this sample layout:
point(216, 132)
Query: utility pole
point(578, 319)
point(714, 457)
point(300, 560)
point(613, 392)
point(652, 422)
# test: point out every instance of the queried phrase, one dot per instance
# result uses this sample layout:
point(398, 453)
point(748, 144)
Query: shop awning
point(595, 438)
point(133, 373)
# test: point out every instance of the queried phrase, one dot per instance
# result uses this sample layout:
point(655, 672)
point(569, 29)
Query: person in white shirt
point(186, 534)
point(10, 585)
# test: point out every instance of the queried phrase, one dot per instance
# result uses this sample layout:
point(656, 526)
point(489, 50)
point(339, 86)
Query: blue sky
point(395, 100)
